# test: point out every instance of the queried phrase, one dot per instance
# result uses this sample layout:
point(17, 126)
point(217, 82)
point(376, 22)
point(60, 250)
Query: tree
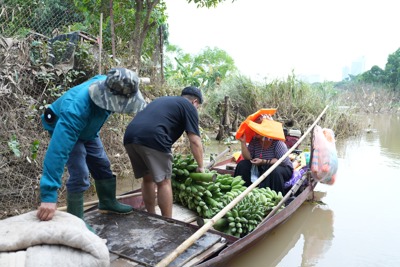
point(207, 3)
point(150, 15)
point(206, 69)
point(374, 75)
point(145, 20)
point(140, 18)
point(45, 17)
point(216, 63)
point(392, 70)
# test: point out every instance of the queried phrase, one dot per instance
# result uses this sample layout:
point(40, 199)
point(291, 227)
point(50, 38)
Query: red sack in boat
point(324, 162)
point(291, 140)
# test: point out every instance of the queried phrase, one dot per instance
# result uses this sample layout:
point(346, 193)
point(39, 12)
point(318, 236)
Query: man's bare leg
point(164, 197)
point(149, 193)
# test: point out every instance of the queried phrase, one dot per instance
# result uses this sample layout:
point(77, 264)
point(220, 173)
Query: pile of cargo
point(208, 193)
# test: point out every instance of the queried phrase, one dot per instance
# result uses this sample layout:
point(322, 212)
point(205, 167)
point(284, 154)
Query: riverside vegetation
point(26, 88)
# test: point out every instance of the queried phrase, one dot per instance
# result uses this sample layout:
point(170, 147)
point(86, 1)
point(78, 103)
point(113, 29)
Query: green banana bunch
point(207, 198)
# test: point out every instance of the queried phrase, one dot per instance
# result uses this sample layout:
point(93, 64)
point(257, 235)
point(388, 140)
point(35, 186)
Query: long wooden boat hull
point(227, 167)
point(262, 231)
point(144, 239)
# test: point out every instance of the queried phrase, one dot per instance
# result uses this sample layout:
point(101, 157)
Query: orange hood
point(268, 128)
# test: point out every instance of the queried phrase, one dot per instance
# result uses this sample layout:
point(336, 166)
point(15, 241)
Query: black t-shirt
point(162, 122)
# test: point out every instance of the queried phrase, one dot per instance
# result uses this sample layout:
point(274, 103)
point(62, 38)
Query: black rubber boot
point(75, 206)
point(106, 189)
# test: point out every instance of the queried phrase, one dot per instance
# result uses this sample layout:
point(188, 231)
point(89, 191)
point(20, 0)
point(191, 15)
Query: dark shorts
point(148, 161)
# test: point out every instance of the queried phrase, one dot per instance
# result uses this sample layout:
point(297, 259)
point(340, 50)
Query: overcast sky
point(272, 38)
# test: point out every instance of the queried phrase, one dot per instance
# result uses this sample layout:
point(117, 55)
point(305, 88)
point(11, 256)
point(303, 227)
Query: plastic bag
point(254, 173)
point(324, 164)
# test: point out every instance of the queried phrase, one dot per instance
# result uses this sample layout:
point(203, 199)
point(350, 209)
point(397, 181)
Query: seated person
point(264, 152)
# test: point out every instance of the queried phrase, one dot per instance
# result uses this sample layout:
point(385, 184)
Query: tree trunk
point(161, 29)
point(235, 120)
point(142, 27)
point(226, 111)
point(112, 28)
point(155, 58)
point(220, 134)
point(157, 70)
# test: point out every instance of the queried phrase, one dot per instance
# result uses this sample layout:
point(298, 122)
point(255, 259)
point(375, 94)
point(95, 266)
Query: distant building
point(345, 72)
point(310, 78)
point(357, 67)
point(314, 78)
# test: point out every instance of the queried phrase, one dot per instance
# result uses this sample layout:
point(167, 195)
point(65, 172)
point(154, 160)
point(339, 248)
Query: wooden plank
point(225, 167)
point(137, 236)
point(181, 213)
point(113, 257)
point(120, 262)
point(205, 255)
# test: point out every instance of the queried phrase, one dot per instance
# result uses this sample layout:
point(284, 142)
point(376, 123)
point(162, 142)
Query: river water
point(358, 221)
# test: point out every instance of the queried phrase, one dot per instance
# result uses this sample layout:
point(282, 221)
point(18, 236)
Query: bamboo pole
point(296, 187)
point(188, 242)
point(90, 203)
point(209, 165)
point(292, 191)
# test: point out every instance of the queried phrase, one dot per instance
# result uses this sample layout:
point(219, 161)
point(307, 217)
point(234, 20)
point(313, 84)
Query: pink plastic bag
point(324, 164)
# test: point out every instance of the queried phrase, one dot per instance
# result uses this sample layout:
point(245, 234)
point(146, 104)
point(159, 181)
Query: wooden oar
point(188, 242)
point(211, 163)
point(90, 203)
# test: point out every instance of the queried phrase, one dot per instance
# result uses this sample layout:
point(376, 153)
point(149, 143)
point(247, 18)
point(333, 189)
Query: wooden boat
point(144, 239)
point(242, 244)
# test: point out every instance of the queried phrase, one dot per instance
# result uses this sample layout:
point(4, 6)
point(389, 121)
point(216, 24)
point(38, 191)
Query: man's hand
point(200, 169)
point(46, 211)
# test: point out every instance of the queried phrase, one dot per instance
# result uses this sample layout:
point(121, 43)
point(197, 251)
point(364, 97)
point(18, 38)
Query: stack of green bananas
point(209, 193)
point(249, 212)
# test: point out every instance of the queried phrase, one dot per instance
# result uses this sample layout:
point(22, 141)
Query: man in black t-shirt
point(149, 138)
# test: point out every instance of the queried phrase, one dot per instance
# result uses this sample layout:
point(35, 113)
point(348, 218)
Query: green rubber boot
point(107, 202)
point(75, 206)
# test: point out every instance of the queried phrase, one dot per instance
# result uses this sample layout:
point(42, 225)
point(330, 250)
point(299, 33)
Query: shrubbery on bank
point(25, 88)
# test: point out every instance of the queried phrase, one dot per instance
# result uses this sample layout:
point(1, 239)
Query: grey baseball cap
point(119, 92)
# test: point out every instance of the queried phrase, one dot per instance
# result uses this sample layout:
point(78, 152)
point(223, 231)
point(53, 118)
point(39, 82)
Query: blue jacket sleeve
point(72, 119)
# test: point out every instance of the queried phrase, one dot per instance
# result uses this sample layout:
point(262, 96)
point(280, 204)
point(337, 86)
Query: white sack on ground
point(63, 241)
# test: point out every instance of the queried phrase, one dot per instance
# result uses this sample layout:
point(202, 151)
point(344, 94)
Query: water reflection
point(317, 234)
point(389, 129)
point(359, 226)
point(309, 233)
point(379, 143)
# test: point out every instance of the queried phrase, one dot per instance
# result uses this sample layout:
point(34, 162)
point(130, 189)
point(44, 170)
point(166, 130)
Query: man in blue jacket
point(74, 121)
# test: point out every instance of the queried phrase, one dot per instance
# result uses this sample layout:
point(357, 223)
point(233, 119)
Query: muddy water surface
point(359, 223)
